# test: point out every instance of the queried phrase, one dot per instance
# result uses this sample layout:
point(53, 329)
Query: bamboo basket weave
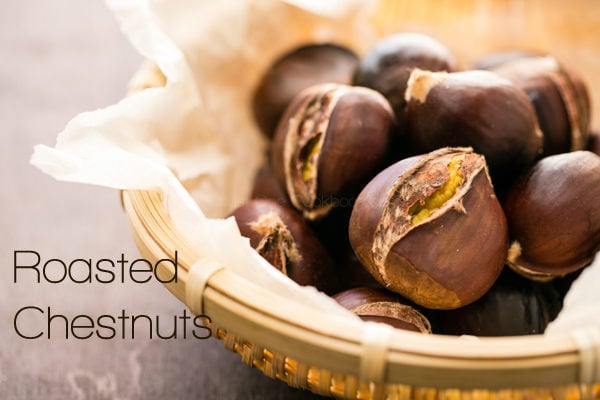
point(351, 359)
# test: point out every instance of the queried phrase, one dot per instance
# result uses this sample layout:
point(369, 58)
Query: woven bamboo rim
point(338, 357)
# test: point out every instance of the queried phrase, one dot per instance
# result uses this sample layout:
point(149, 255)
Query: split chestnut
point(286, 241)
point(431, 228)
point(331, 140)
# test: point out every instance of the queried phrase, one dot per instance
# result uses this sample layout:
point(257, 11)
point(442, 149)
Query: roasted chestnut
point(380, 306)
point(431, 228)
point(294, 71)
point(284, 239)
point(513, 306)
point(477, 109)
point(560, 99)
point(553, 216)
point(388, 64)
point(330, 141)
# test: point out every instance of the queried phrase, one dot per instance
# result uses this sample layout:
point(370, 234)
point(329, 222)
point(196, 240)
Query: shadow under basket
point(345, 358)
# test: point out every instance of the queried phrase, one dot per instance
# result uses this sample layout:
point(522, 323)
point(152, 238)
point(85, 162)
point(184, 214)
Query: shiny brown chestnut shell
point(330, 141)
point(560, 98)
point(380, 306)
point(477, 109)
point(553, 214)
point(386, 67)
point(285, 240)
point(293, 72)
point(513, 306)
point(431, 228)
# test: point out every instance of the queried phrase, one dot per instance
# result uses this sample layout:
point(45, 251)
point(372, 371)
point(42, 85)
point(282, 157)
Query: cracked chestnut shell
point(513, 306)
point(431, 228)
point(330, 141)
point(553, 215)
point(293, 72)
point(380, 306)
point(284, 239)
point(559, 96)
point(477, 109)
point(387, 65)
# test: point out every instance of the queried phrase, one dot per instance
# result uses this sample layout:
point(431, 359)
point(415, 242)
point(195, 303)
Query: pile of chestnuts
point(423, 195)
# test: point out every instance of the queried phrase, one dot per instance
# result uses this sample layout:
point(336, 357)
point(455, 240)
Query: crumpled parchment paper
point(581, 306)
point(195, 139)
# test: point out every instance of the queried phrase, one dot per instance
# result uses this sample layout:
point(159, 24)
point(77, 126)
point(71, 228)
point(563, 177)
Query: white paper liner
point(581, 307)
point(195, 138)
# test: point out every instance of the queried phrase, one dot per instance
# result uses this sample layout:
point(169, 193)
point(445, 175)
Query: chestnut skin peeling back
point(431, 228)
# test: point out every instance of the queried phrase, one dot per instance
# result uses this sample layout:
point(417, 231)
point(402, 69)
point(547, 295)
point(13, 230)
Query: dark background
point(59, 58)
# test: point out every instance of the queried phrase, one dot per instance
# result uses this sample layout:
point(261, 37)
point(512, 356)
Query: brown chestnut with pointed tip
point(293, 72)
point(431, 228)
point(478, 109)
point(553, 215)
point(380, 306)
point(559, 96)
point(284, 239)
point(330, 141)
point(387, 65)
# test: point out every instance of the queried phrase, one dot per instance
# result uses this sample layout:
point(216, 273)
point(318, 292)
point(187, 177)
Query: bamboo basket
point(351, 359)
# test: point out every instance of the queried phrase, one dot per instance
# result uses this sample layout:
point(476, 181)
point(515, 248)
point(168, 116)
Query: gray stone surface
point(58, 58)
